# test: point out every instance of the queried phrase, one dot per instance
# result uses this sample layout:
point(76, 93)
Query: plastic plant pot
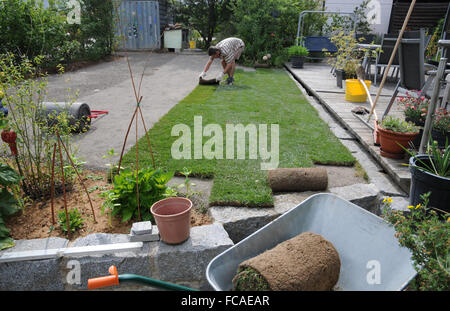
point(173, 218)
point(297, 61)
point(423, 182)
point(390, 141)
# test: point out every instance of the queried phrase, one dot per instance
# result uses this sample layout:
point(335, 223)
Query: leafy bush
point(122, 199)
point(427, 235)
point(298, 51)
point(27, 29)
point(96, 32)
point(35, 137)
point(8, 203)
point(76, 222)
point(399, 126)
point(270, 26)
point(349, 56)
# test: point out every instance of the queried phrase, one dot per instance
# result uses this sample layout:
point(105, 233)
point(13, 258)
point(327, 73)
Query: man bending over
point(229, 50)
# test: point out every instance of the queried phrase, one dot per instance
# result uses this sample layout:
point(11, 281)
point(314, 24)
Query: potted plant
point(348, 57)
point(298, 54)
point(430, 172)
point(415, 110)
point(425, 233)
point(173, 218)
point(395, 136)
point(441, 127)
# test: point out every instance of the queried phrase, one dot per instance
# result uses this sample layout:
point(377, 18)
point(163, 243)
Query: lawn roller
point(115, 279)
point(80, 115)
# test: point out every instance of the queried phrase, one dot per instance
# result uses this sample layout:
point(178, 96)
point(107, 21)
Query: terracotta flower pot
point(390, 141)
point(173, 218)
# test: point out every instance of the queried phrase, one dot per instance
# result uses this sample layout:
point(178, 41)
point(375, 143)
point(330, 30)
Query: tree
point(202, 15)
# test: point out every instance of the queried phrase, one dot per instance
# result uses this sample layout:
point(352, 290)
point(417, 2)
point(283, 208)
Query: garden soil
point(35, 220)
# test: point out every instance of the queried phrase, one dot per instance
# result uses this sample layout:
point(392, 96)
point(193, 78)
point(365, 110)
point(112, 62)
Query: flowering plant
point(441, 121)
point(427, 235)
point(414, 108)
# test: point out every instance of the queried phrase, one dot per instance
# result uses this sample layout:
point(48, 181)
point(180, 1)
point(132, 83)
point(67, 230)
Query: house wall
point(382, 8)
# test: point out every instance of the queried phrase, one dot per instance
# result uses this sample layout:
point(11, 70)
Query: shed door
point(139, 25)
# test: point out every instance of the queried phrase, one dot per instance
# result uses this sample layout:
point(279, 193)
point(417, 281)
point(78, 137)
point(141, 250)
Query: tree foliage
point(270, 26)
point(205, 16)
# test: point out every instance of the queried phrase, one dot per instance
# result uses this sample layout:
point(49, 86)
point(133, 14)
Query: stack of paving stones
point(144, 232)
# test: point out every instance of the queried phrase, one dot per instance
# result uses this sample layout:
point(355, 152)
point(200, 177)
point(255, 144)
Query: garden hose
point(114, 279)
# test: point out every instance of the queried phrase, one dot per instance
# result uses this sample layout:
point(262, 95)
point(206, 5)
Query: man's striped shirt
point(229, 47)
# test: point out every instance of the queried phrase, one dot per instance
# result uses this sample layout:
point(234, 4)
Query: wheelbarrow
point(371, 257)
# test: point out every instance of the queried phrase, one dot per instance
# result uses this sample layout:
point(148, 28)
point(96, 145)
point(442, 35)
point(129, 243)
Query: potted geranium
point(441, 127)
point(395, 135)
point(414, 108)
point(297, 55)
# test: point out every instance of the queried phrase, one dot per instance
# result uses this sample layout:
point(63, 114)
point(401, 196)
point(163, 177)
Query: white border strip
point(70, 251)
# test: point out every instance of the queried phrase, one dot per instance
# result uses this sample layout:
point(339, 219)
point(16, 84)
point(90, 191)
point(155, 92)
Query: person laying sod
point(229, 50)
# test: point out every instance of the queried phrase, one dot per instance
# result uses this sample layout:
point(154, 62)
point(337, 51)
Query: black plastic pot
point(297, 61)
point(423, 182)
point(415, 121)
point(440, 137)
point(341, 76)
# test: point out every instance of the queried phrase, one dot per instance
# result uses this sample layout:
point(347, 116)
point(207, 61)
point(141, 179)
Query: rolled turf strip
point(298, 179)
point(306, 262)
point(208, 82)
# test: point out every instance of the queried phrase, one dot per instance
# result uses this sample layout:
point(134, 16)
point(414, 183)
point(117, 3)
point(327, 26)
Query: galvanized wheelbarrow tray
point(371, 257)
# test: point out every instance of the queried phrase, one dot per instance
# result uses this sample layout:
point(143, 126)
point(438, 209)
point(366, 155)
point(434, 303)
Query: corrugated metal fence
point(140, 25)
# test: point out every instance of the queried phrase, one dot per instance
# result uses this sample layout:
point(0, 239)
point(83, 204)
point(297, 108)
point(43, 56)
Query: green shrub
point(281, 58)
point(76, 222)
point(28, 29)
point(122, 199)
point(270, 26)
point(24, 93)
point(96, 32)
point(8, 202)
point(427, 235)
point(298, 51)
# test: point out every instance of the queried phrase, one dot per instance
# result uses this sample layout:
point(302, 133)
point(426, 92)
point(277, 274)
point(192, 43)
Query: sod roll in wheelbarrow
point(306, 262)
point(298, 179)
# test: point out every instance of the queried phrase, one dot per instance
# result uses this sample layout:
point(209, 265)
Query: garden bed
point(35, 220)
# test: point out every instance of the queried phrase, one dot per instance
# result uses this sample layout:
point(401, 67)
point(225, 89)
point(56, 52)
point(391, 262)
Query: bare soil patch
point(35, 220)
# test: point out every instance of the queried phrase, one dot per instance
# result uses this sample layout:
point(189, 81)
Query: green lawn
point(261, 97)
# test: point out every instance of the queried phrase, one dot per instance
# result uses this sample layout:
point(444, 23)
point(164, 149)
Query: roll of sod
point(298, 179)
point(208, 82)
point(306, 262)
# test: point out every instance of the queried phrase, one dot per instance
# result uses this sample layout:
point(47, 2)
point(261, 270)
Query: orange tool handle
point(105, 281)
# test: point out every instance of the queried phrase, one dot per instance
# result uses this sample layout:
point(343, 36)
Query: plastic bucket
point(173, 218)
point(355, 92)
